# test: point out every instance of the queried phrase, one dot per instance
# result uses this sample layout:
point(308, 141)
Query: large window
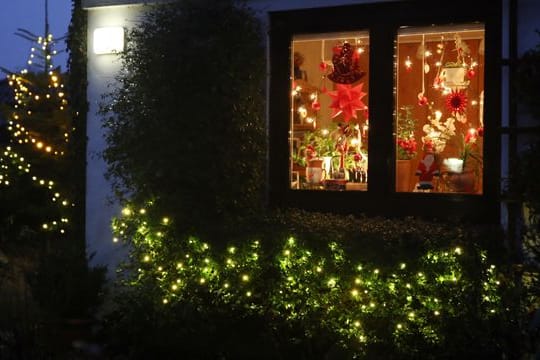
point(439, 109)
point(387, 108)
point(329, 112)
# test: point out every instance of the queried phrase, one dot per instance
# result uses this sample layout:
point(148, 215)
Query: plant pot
point(403, 175)
point(314, 171)
point(464, 182)
point(454, 77)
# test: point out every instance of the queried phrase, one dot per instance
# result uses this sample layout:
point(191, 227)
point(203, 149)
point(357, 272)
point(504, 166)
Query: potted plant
point(406, 147)
point(453, 73)
point(463, 171)
point(317, 147)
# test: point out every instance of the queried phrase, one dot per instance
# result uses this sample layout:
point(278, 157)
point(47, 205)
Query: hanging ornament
point(456, 102)
point(422, 100)
point(346, 65)
point(470, 74)
point(480, 131)
point(347, 100)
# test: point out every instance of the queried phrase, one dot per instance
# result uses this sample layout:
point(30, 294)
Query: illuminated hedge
point(320, 290)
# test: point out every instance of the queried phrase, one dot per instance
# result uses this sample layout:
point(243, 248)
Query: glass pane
point(439, 109)
point(329, 114)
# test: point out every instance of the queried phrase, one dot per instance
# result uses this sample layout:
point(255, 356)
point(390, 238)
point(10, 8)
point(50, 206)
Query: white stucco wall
point(102, 70)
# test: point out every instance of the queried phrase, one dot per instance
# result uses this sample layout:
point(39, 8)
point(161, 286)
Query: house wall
point(101, 75)
point(102, 70)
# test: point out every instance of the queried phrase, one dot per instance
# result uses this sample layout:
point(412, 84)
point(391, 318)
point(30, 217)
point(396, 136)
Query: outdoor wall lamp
point(108, 40)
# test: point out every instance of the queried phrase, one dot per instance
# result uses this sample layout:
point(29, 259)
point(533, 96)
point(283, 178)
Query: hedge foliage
point(313, 286)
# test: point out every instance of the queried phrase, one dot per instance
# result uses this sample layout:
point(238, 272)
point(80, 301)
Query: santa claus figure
point(427, 169)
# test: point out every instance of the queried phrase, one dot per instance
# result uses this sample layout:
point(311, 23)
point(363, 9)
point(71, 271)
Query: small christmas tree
point(38, 132)
point(40, 224)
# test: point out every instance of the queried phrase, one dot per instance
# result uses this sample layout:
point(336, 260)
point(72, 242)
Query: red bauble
point(315, 105)
point(470, 74)
point(422, 100)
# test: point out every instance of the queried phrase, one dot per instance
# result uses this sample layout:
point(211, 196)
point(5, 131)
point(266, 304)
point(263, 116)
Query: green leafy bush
point(313, 286)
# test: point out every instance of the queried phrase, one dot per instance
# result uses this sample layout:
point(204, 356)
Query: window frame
point(382, 21)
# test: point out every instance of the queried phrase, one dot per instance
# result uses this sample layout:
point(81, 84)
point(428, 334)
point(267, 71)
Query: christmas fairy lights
point(306, 283)
point(39, 127)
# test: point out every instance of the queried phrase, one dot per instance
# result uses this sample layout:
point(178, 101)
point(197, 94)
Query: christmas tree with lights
point(35, 158)
point(41, 232)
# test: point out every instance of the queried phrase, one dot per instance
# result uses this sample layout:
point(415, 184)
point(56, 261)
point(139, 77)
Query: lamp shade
point(108, 40)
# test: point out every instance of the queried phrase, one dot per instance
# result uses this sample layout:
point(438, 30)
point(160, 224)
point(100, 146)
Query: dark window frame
point(382, 21)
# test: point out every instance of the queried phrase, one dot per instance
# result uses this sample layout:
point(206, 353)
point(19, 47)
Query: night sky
point(30, 15)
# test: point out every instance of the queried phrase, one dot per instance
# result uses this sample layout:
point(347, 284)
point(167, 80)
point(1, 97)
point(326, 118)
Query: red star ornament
point(347, 100)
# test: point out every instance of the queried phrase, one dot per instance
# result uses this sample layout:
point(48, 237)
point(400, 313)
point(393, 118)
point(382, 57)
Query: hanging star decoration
point(346, 100)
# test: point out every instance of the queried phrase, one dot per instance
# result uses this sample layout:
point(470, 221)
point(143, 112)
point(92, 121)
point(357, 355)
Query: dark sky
point(30, 15)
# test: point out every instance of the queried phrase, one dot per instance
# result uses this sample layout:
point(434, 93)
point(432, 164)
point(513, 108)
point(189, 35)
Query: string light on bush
point(299, 291)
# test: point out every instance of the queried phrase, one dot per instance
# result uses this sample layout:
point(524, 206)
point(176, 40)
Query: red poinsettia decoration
point(456, 102)
point(406, 148)
point(347, 100)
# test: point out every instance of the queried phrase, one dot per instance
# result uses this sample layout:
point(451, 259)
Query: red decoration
point(422, 100)
point(323, 66)
point(427, 169)
point(471, 136)
point(408, 147)
point(346, 67)
point(316, 105)
point(470, 74)
point(347, 100)
point(456, 102)
point(480, 131)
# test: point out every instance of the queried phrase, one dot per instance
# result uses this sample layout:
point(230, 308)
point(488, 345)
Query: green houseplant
point(406, 141)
